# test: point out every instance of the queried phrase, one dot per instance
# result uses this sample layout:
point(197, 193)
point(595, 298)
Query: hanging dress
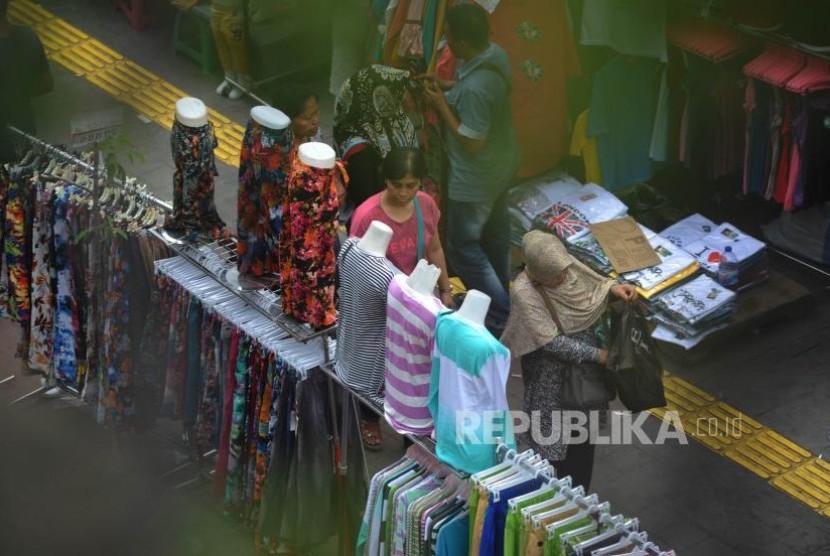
point(307, 244)
point(194, 210)
point(263, 169)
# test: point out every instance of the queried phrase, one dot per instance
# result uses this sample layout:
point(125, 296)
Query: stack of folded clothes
point(753, 266)
point(570, 217)
point(688, 313)
point(528, 200)
point(676, 265)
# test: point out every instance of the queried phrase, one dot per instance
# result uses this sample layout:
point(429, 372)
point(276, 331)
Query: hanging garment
point(631, 27)
point(194, 210)
point(369, 108)
point(117, 349)
point(468, 393)
point(66, 311)
point(586, 148)
point(43, 297)
point(361, 330)
point(263, 169)
point(4, 268)
point(542, 53)
point(17, 248)
point(410, 333)
point(307, 255)
point(621, 118)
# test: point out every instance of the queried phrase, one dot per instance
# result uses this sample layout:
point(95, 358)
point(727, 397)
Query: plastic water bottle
point(728, 268)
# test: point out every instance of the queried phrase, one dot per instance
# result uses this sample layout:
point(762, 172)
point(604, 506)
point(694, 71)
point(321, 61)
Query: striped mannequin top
point(410, 332)
point(361, 326)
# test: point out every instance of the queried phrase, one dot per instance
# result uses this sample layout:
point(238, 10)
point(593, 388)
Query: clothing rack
point(575, 494)
point(424, 442)
point(706, 13)
point(67, 157)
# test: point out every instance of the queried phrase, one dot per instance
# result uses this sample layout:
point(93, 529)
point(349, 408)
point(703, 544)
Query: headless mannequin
point(376, 239)
point(424, 278)
point(318, 155)
point(474, 308)
point(191, 112)
point(270, 117)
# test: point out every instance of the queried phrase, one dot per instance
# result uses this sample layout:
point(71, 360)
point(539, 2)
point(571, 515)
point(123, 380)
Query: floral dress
point(67, 318)
point(43, 297)
point(194, 210)
point(263, 169)
point(307, 244)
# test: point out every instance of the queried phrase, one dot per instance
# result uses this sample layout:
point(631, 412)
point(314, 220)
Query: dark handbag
point(632, 359)
point(587, 385)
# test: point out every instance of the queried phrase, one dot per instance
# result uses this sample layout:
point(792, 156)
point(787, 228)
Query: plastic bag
point(632, 359)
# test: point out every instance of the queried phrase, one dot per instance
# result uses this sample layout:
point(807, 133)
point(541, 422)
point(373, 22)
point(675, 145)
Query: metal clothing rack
point(576, 495)
point(424, 442)
point(129, 188)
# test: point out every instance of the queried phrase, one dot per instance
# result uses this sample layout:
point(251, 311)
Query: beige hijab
point(578, 301)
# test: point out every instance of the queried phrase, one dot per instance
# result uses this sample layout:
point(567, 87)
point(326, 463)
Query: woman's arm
point(435, 255)
point(573, 351)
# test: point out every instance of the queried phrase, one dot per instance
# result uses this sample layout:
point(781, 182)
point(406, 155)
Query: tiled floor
point(687, 496)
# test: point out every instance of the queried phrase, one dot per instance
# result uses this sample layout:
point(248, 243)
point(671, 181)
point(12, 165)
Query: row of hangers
point(516, 468)
point(785, 67)
point(234, 309)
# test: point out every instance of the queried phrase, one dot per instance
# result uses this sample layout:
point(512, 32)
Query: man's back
point(481, 100)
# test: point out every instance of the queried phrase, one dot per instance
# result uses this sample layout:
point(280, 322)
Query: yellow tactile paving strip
point(108, 70)
point(718, 426)
point(758, 449)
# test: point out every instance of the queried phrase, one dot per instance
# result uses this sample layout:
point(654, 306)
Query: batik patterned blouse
point(307, 244)
point(263, 169)
point(67, 321)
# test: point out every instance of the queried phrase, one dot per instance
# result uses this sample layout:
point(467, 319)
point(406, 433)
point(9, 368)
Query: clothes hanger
point(616, 522)
point(575, 503)
point(556, 502)
point(626, 542)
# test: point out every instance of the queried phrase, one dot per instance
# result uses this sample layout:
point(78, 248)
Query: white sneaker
point(224, 88)
point(235, 93)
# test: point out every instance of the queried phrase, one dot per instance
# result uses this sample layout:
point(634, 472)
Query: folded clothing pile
point(688, 313)
point(753, 265)
point(570, 217)
point(528, 200)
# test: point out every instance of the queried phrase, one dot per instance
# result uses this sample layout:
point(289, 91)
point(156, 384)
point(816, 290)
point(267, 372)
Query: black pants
point(578, 463)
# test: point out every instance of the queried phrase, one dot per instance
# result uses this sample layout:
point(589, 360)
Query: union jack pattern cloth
point(564, 221)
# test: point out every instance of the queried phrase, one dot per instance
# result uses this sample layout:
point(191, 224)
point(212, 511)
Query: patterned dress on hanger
point(194, 209)
point(43, 297)
point(263, 169)
point(307, 244)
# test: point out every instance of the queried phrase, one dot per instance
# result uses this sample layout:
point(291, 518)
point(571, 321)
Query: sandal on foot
point(370, 433)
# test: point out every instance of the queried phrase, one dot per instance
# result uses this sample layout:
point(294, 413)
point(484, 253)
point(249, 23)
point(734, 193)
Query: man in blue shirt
point(483, 156)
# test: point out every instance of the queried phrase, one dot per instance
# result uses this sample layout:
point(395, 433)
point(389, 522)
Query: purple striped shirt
point(410, 333)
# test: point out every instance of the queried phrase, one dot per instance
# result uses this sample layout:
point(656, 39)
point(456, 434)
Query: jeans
point(478, 250)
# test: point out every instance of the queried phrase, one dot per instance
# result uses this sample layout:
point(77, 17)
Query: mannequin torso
point(474, 308)
point(376, 239)
point(317, 155)
point(191, 112)
point(270, 117)
point(424, 278)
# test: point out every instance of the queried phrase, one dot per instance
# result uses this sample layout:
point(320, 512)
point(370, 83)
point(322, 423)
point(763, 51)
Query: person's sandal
point(370, 433)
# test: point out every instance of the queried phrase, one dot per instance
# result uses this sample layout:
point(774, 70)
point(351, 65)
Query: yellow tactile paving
point(724, 429)
point(105, 68)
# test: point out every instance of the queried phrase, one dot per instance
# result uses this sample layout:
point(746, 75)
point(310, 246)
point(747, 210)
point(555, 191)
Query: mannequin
point(376, 239)
point(191, 112)
point(317, 155)
point(270, 117)
point(263, 170)
point(308, 232)
point(192, 143)
point(474, 308)
point(424, 278)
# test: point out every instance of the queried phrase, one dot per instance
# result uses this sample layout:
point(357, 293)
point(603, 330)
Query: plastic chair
point(204, 52)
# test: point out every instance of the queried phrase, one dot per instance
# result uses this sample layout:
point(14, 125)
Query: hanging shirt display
point(621, 118)
point(307, 256)
point(467, 397)
point(194, 209)
point(542, 52)
point(410, 333)
point(361, 330)
point(263, 169)
point(632, 27)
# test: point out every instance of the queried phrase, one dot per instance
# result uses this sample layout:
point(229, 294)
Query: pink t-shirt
point(403, 249)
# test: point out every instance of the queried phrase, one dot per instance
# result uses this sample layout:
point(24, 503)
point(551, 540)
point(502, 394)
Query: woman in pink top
point(398, 206)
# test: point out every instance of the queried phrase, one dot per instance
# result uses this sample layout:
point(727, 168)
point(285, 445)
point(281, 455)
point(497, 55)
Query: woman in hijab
point(369, 120)
point(557, 304)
